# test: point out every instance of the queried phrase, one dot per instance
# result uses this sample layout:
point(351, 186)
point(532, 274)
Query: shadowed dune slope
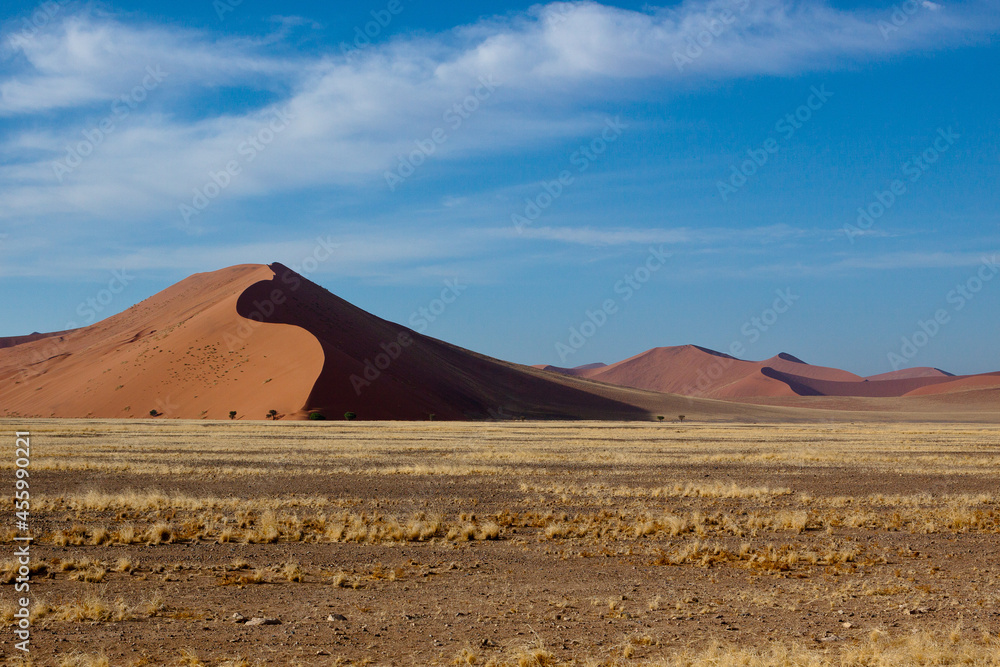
point(804, 386)
point(381, 370)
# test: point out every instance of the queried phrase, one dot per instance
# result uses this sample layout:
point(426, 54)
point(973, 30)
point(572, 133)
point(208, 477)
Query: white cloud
point(354, 117)
point(626, 236)
point(831, 267)
point(914, 260)
point(87, 59)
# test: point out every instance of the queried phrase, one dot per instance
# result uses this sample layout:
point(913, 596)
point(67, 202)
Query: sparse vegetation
point(350, 416)
point(604, 544)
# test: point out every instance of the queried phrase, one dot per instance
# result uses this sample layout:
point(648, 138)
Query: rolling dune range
point(253, 339)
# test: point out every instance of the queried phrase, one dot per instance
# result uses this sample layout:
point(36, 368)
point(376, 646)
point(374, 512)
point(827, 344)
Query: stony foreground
point(510, 543)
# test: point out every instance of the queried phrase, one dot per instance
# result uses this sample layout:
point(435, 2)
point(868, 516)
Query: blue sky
point(150, 141)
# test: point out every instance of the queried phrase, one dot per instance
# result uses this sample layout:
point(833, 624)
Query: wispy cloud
point(680, 235)
point(89, 59)
point(837, 267)
point(353, 118)
point(914, 260)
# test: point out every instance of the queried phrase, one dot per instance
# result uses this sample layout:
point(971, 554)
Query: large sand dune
point(256, 338)
point(183, 352)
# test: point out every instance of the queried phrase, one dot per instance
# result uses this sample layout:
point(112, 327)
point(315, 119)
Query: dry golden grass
point(86, 607)
point(91, 575)
point(293, 572)
point(921, 649)
point(84, 660)
point(765, 518)
point(389, 448)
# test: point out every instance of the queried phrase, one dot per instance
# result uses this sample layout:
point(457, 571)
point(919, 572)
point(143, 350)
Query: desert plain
point(190, 542)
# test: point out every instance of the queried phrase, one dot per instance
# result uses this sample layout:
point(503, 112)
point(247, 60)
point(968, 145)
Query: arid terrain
point(257, 339)
point(509, 543)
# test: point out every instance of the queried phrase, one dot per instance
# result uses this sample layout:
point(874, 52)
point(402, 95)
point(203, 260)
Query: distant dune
point(906, 373)
point(11, 341)
point(968, 383)
point(697, 371)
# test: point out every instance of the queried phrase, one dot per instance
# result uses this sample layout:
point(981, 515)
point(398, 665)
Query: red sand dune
point(581, 371)
point(169, 353)
point(960, 384)
point(906, 373)
point(11, 341)
point(253, 338)
point(696, 371)
point(804, 386)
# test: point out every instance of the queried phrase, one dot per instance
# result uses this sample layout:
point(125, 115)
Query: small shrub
point(316, 416)
point(292, 572)
point(350, 416)
point(680, 418)
point(659, 417)
point(232, 414)
point(92, 575)
point(272, 414)
point(154, 413)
